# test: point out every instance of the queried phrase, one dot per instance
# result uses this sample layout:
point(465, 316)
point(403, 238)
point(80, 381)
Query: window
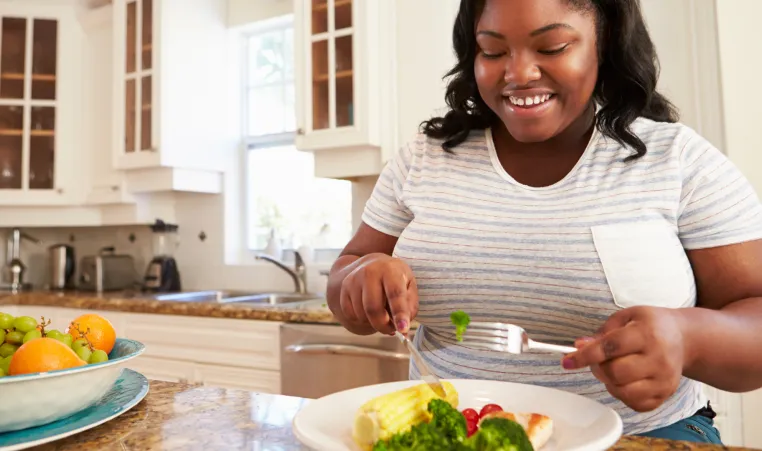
point(282, 193)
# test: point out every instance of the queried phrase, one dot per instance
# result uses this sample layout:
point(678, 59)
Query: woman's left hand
point(638, 354)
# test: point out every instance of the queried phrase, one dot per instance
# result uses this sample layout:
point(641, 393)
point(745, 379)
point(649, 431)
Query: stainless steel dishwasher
point(317, 360)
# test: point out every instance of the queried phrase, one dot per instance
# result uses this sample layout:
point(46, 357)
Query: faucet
point(299, 273)
point(15, 266)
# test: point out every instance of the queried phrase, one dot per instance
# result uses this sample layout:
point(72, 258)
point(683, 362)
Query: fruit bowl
point(35, 399)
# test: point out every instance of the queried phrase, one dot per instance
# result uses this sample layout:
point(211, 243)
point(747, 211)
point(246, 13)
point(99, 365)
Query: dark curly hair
point(627, 75)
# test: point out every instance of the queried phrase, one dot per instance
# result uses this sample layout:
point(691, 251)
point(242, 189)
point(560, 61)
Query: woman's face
point(536, 65)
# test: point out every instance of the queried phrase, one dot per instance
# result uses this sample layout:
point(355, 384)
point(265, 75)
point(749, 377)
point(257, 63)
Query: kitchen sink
point(274, 298)
point(225, 297)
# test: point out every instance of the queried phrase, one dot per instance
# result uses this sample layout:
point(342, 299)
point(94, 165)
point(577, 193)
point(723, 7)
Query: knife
point(427, 375)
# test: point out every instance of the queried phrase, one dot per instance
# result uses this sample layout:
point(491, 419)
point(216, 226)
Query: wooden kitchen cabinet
point(344, 83)
point(169, 97)
point(40, 99)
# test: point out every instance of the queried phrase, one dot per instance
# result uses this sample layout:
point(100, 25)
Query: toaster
point(107, 271)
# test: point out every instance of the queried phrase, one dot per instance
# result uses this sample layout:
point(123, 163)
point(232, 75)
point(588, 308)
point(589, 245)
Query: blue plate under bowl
point(128, 390)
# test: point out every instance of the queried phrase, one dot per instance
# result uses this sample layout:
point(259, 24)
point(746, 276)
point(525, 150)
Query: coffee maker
point(162, 274)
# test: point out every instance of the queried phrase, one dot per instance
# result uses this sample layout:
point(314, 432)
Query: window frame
point(251, 143)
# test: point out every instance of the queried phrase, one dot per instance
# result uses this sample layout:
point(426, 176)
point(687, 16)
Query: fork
point(507, 338)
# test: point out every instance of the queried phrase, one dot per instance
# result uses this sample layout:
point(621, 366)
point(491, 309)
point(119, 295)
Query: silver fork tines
point(505, 337)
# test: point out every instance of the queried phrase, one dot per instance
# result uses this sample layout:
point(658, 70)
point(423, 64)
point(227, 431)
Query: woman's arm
point(366, 242)
point(723, 338)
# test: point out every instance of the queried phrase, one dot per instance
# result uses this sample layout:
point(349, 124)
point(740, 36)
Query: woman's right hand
point(381, 293)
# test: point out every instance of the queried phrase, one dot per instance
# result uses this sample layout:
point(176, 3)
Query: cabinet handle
point(358, 351)
point(300, 131)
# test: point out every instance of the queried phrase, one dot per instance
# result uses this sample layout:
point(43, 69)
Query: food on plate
point(416, 419)
point(92, 337)
point(461, 320)
point(41, 355)
point(539, 427)
point(98, 330)
point(386, 415)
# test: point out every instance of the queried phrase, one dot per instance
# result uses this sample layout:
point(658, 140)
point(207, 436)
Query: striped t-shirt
point(558, 260)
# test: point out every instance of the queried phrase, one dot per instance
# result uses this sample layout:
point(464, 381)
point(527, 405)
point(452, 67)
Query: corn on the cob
point(386, 415)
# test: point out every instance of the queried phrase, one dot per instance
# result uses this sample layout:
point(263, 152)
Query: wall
point(241, 12)
point(737, 22)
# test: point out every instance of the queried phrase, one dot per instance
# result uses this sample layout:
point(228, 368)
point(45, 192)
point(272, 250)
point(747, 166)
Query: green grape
point(5, 364)
point(7, 349)
point(3, 373)
point(14, 337)
point(54, 334)
point(25, 323)
point(66, 339)
point(6, 321)
point(79, 343)
point(84, 353)
point(31, 335)
point(2, 335)
point(98, 356)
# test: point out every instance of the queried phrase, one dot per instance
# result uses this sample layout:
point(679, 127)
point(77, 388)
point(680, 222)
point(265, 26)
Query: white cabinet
point(40, 101)
point(219, 352)
point(345, 82)
point(169, 97)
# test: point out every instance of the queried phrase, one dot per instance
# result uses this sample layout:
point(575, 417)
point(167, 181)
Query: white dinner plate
point(579, 423)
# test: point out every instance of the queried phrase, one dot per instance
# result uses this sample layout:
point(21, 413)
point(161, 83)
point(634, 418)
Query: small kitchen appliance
point(162, 274)
point(107, 271)
point(61, 266)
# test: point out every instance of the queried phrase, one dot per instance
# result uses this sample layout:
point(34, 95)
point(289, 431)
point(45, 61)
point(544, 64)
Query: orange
point(96, 329)
point(41, 355)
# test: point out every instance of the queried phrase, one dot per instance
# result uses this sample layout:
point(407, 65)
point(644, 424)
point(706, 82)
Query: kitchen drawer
point(162, 369)
point(214, 341)
point(257, 381)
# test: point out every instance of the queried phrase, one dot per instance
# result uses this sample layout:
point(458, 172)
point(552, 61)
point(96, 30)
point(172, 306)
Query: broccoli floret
point(444, 432)
point(447, 419)
point(461, 320)
point(421, 437)
point(500, 434)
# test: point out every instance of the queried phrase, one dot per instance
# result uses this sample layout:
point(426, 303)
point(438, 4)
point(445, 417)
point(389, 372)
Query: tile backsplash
point(132, 240)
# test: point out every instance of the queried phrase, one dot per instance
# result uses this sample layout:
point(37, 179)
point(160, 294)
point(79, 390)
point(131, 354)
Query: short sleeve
point(385, 211)
point(718, 205)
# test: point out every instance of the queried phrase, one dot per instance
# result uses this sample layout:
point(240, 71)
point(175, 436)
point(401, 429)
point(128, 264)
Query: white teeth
point(529, 101)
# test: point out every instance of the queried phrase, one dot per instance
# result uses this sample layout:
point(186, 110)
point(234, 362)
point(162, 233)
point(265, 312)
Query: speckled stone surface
point(176, 417)
point(302, 312)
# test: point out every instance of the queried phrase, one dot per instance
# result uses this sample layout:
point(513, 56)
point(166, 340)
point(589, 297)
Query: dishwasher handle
point(357, 351)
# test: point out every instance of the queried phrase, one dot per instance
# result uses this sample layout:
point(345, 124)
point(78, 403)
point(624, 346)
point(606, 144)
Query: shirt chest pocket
point(645, 264)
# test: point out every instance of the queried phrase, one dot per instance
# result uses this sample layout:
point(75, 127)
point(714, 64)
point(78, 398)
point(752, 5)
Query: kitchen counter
point(182, 417)
point(126, 301)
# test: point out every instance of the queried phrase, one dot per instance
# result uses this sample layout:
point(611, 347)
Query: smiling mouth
point(530, 101)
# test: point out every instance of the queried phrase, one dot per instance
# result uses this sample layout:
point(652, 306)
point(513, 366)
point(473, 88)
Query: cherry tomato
point(471, 415)
point(489, 408)
point(471, 427)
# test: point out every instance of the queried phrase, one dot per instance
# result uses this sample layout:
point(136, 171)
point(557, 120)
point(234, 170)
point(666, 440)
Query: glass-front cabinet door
point(327, 59)
point(28, 102)
point(345, 74)
point(332, 90)
point(137, 76)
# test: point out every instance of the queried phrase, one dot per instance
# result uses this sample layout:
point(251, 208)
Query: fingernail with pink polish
point(568, 363)
point(402, 325)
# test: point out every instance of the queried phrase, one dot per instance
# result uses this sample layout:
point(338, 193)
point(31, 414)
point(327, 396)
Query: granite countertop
point(183, 417)
point(136, 302)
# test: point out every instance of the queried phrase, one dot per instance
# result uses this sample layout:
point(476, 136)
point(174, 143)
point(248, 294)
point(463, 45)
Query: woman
point(559, 193)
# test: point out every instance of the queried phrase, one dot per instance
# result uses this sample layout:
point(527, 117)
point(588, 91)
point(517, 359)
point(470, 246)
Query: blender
point(162, 274)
